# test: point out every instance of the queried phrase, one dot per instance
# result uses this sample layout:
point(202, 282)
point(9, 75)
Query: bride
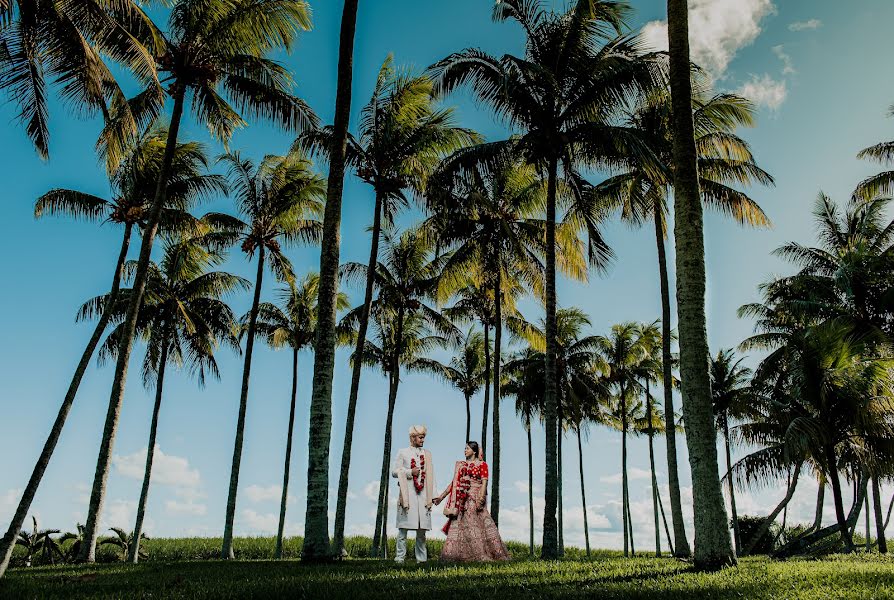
point(471, 532)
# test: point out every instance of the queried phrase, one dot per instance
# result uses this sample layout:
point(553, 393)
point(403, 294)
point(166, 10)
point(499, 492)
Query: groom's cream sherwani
point(413, 508)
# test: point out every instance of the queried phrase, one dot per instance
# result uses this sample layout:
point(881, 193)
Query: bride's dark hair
point(475, 448)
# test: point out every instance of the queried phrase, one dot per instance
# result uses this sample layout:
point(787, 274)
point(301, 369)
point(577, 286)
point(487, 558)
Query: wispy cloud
point(765, 91)
point(788, 66)
point(805, 25)
point(718, 30)
point(167, 469)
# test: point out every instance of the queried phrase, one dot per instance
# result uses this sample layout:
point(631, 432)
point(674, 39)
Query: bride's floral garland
point(419, 480)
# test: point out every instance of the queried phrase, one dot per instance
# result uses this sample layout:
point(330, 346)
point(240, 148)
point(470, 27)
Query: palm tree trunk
point(134, 550)
point(714, 548)
point(732, 491)
point(116, 398)
point(487, 381)
point(379, 538)
point(670, 542)
point(530, 487)
point(498, 355)
point(844, 529)
point(820, 500)
point(681, 544)
point(583, 492)
point(468, 416)
point(338, 539)
point(8, 542)
point(550, 549)
point(651, 435)
point(868, 530)
point(382, 509)
point(879, 523)
point(630, 525)
point(227, 549)
point(560, 500)
point(765, 526)
point(285, 471)
point(624, 476)
point(316, 520)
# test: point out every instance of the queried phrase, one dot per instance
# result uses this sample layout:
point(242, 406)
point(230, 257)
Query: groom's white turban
point(418, 430)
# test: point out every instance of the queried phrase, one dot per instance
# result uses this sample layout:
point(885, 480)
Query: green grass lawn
point(180, 569)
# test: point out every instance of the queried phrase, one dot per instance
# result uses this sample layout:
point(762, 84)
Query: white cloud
point(718, 29)
point(258, 523)
point(805, 25)
point(8, 502)
point(371, 491)
point(522, 487)
point(189, 507)
point(257, 493)
point(632, 474)
point(788, 66)
point(166, 468)
point(120, 513)
point(763, 90)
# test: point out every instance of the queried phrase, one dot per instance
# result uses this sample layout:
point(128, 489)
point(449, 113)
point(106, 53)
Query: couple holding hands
point(471, 532)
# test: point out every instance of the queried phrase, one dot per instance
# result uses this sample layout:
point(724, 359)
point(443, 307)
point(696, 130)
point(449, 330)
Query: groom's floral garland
point(419, 480)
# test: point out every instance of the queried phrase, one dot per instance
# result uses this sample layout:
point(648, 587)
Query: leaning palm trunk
point(765, 525)
point(530, 488)
point(820, 500)
point(868, 530)
point(116, 398)
point(630, 525)
point(843, 526)
point(713, 548)
point(550, 548)
point(285, 471)
point(316, 529)
point(227, 549)
point(879, 524)
point(732, 491)
point(487, 380)
point(670, 543)
point(8, 542)
point(624, 477)
point(681, 544)
point(583, 492)
point(338, 539)
point(651, 435)
point(495, 460)
point(134, 550)
point(382, 508)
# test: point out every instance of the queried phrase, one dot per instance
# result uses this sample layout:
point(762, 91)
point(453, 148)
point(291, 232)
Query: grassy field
point(605, 575)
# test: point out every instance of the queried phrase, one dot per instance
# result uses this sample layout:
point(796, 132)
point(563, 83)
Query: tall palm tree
point(881, 184)
point(128, 206)
point(183, 319)
point(406, 277)
point(465, 371)
point(316, 521)
point(562, 96)
point(731, 394)
point(280, 198)
point(714, 549)
point(210, 45)
point(69, 43)
point(642, 192)
point(290, 324)
point(403, 134)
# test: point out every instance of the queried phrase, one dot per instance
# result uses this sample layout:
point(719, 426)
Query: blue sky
point(817, 69)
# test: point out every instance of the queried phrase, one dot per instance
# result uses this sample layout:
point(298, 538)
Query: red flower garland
point(419, 481)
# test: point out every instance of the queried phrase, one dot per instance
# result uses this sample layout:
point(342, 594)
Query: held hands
point(437, 500)
point(414, 472)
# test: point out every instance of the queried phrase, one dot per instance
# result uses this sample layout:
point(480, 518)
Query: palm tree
point(316, 520)
point(210, 45)
point(714, 549)
point(291, 324)
point(69, 43)
point(465, 371)
point(125, 542)
point(38, 541)
point(183, 319)
point(642, 192)
point(485, 200)
point(128, 206)
point(403, 135)
point(279, 198)
point(883, 183)
point(731, 394)
point(406, 277)
point(561, 95)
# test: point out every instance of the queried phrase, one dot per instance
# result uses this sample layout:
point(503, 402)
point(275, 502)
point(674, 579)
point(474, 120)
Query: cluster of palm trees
point(501, 219)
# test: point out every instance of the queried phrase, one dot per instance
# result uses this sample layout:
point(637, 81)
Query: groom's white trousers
point(421, 549)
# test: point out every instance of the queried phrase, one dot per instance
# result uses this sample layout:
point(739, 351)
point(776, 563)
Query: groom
point(415, 475)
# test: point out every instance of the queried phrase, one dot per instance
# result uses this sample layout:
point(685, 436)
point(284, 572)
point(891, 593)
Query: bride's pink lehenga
point(471, 532)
